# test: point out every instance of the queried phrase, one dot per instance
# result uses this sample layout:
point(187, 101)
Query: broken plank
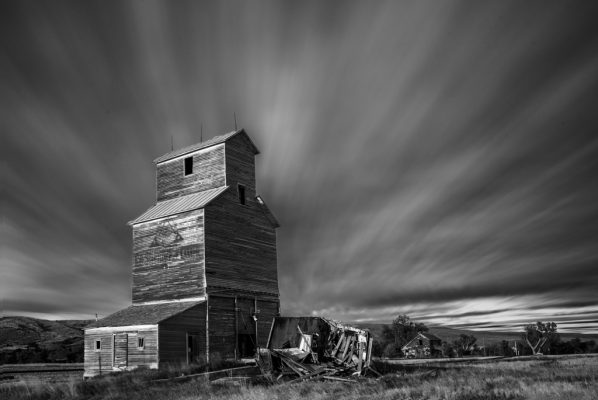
point(338, 345)
point(308, 376)
point(336, 378)
point(359, 356)
point(348, 343)
point(369, 353)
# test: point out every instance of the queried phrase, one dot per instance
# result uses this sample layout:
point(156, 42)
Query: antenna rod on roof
point(235, 116)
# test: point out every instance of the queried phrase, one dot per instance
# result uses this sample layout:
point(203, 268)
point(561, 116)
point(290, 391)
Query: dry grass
point(547, 379)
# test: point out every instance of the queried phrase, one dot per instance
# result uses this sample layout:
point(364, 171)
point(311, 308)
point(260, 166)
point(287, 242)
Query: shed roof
point(179, 204)
point(202, 145)
point(423, 335)
point(150, 314)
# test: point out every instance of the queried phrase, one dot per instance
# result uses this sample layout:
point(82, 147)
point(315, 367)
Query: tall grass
point(562, 379)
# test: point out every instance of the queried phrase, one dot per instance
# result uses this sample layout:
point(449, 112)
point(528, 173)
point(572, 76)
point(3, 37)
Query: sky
point(436, 159)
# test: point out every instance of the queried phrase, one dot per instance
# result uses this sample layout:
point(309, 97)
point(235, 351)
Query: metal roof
point(149, 314)
point(425, 335)
point(202, 145)
point(179, 204)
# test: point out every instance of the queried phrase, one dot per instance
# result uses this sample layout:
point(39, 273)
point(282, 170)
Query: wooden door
point(246, 327)
point(121, 346)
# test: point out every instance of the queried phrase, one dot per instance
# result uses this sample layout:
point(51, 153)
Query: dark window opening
point(140, 343)
point(98, 345)
point(241, 194)
point(421, 342)
point(188, 165)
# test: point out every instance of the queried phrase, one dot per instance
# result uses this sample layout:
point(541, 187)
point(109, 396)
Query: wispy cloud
point(437, 159)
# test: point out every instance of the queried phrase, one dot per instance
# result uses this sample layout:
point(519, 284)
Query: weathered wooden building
point(205, 279)
point(423, 345)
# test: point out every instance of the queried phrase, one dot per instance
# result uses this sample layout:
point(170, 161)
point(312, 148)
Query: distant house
point(423, 345)
point(204, 273)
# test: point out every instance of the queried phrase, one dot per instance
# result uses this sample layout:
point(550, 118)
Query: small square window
point(140, 343)
point(188, 165)
point(98, 345)
point(241, 194)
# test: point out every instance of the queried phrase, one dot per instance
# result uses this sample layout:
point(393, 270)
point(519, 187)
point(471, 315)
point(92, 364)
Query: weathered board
point(97, 362)
point(174, 335)
point(168, 258)
point(119, 350)
point(240, 164)
point(208, 173)
point(232, 326)
point(221, 327)
point(121, 347)
point(240, 246)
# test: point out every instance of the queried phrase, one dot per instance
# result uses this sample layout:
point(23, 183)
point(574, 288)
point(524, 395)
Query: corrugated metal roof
point(149, 314)
point(179, 205)
point(202, 145)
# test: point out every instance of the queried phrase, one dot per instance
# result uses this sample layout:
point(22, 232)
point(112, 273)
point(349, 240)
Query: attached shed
point(145, 336)
point(423, 345)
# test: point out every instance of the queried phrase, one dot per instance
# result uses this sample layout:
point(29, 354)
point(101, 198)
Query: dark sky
point(438, 158)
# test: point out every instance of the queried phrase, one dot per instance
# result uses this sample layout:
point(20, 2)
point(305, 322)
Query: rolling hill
point(26, 340)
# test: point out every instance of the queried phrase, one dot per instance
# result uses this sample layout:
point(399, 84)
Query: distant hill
point(487, 337)
point(28, 340)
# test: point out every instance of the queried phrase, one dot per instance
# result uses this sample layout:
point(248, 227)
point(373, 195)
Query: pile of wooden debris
point(315, 348)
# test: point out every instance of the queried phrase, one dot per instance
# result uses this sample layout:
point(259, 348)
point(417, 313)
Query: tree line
point(538, 338)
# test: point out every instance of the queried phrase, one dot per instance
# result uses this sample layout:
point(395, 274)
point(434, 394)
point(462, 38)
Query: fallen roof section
point(179, 204)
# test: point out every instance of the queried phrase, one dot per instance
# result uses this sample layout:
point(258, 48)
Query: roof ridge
point(198, 146)
point(149, 314)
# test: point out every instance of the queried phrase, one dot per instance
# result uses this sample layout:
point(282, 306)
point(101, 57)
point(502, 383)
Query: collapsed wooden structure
point(302, 348)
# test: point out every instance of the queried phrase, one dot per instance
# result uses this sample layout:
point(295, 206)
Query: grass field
point(546, 378)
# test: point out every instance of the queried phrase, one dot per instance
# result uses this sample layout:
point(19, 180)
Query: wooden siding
point(240, 164)
point(108, 359)
point(240, 246)
point(222, 330)
point(97, 362)
point(148, 355)
point(173, 335)
point(226, 322)
point(208, 173)
point(168, 258)
point(267, 311)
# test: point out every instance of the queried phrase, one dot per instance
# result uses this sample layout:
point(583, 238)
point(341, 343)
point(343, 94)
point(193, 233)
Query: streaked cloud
point(435, 159)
